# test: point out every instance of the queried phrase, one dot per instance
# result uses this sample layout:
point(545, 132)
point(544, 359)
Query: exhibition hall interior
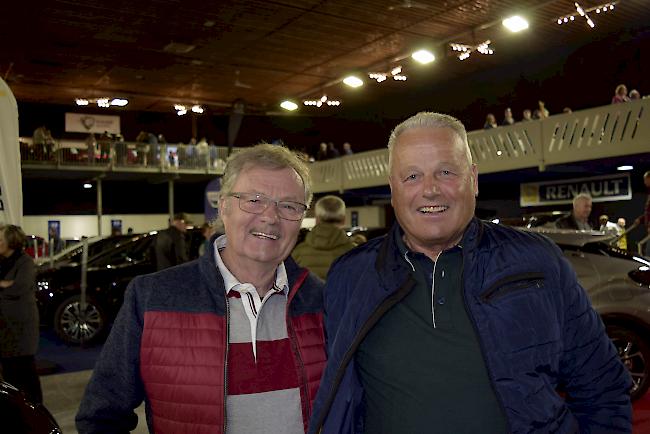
point(118, 121)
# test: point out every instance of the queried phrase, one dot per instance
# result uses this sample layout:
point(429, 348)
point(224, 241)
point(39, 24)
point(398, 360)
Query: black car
point(20, 416)
point(112, 263)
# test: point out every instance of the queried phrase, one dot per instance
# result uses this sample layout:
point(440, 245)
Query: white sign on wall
point(11, 190)
point(85, 123)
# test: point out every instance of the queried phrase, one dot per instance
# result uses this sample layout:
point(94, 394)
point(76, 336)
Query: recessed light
point(625, 167)
point(515, 23)
point(289, 105)
point(353, 81)
point(423, 56)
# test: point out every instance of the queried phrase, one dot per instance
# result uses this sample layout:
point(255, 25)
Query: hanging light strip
point(466, 50)
point(395, 73)
point(581, 12)
point(323, 100)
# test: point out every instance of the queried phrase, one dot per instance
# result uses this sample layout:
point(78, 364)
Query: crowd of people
point(541, 112)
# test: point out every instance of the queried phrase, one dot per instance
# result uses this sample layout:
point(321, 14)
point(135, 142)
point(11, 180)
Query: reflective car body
point(112, 263)
point(618, 284)
point(19, 416)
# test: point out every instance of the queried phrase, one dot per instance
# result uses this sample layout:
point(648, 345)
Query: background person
point(449, 324)
point(170, 248)
point(644, 219)
point(579, 217)
point(18, 314)
point(327, 240)
point(233, 339)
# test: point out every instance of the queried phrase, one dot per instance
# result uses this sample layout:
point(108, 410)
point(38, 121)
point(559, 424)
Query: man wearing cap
point(232, 342)
point(169, 247)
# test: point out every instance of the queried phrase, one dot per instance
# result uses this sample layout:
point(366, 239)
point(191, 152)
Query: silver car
point(618, 284)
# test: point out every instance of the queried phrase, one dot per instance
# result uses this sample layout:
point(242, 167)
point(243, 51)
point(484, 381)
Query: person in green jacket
point(327, 240)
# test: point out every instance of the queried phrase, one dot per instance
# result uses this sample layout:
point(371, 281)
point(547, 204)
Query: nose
point(271, 212)
point(429, 187)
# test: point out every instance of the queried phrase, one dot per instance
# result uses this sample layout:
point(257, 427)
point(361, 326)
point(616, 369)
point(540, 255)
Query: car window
point(131, 252)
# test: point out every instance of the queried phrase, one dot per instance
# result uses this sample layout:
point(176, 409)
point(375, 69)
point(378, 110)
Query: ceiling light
point(120, 102)
point(103, 102)
point(87, 185)
point(515, 24)
point(625, 167)
point(81, 101)
point(353, 81)
point(197, 109)
point(289, 105)
point(180, 109)
point(423, 56)
point(379, 76)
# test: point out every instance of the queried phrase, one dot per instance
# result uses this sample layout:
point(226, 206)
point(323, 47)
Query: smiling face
point(433, 188)
point(260, 241)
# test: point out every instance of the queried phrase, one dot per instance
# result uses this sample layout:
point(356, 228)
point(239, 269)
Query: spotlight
point(515, 24)
point(353, 81)
point(423, 56)
point(289, 105)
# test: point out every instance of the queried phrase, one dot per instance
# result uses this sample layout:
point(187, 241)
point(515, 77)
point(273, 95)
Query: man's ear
point(475, 179)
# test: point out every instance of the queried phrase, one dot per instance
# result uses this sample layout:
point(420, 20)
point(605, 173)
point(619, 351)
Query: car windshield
point(96, 245)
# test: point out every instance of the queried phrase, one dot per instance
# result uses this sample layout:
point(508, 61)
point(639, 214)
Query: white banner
point(11, 186)
point(83, 123)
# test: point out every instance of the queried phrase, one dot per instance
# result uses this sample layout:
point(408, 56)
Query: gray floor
point(62, 394)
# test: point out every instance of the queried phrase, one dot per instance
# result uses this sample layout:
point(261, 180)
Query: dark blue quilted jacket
point(536, 327)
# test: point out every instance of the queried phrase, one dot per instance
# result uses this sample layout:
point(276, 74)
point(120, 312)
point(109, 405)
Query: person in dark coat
point(579, 217)
point(170, 248)
point(18, 314)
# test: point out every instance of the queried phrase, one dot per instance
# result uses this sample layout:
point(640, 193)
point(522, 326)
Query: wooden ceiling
point(161, 52)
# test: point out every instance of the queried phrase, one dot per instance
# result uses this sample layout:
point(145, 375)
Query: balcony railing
point(601, 132)
point(123, 156)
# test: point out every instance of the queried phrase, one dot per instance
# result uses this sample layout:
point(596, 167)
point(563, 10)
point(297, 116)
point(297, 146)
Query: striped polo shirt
point(262, 385)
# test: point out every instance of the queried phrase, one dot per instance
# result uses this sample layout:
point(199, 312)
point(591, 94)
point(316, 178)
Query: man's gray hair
point(330, 209)
point(267, 156)
point(581, 196)
point(428, 120)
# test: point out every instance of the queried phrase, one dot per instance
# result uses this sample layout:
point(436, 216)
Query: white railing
point(591, 134)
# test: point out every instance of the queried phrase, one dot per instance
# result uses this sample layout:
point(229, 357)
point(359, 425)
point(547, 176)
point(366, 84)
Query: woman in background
point(18, 314)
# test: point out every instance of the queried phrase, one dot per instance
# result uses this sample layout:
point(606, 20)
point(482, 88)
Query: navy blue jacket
point(537, 331)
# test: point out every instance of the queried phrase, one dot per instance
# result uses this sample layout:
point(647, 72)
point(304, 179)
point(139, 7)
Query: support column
point(99, 206)
point(171, 199)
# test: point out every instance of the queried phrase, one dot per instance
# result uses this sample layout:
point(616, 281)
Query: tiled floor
point(62, 394)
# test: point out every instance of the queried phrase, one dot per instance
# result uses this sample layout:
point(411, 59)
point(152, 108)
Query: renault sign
point(600, 188)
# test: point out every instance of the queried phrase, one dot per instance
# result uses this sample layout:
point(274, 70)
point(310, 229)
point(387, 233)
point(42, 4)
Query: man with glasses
point(232, 342)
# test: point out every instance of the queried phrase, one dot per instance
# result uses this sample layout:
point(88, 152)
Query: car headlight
point(641, 276)
point(43, 285)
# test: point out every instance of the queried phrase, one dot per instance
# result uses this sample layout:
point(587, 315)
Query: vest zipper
point(433, 290)
point(225, 364)
point(294, 345)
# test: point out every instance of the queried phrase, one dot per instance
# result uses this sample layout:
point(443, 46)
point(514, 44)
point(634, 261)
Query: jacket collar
point(394, 269)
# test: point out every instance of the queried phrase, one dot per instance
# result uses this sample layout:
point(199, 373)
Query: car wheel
point(635, 355)
point(75, 326)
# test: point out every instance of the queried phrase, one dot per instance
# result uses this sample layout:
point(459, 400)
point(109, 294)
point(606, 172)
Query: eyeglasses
point(257, 203)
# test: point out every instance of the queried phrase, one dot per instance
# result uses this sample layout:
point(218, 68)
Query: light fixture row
point(581, 12)
point(514, 24)
point(182, 109)
point(466, 50)
point(102, 102)
point(323, 100)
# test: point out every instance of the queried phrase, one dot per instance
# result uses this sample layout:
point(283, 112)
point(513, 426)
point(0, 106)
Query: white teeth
point(265, 235)
point(432, 209)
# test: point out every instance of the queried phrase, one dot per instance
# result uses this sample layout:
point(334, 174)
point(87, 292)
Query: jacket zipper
point(511, 284)
point(225, 364)
point(294, 345)
point(482, 347)
point(379, 312)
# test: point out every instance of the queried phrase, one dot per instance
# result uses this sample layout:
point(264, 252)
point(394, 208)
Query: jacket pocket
point(514, 283)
